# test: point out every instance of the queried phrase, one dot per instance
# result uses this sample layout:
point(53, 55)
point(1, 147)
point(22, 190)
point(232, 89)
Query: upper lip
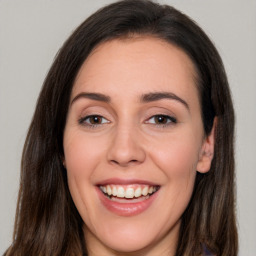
point(118, 181)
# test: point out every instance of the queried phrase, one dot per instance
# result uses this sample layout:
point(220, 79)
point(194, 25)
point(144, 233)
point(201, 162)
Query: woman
point(130, 150)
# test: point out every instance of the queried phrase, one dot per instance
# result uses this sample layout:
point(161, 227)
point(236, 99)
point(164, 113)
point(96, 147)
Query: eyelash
point(168, 119)
point(90, 125)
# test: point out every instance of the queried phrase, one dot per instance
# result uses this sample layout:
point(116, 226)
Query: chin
point(134, 234)
point(127, 240)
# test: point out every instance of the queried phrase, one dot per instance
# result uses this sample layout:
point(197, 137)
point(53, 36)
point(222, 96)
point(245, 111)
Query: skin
point(128, 143)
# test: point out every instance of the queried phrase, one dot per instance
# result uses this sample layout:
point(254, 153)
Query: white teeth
point(129, 192)
point(104, 189)
point(120, 192)
point(145, 191)
point(137, 192)
point(114, 191)
point(109, 190)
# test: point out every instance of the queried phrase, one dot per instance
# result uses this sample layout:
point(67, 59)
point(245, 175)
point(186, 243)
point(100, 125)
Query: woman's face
point(133, 142)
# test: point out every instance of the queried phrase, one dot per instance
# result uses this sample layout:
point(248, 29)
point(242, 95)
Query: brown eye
point(93, 120)
point(162, 120)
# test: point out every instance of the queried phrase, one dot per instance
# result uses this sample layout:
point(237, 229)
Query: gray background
point(31, 33)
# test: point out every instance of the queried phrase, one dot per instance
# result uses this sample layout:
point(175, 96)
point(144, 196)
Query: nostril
point(114, 161)
point(133, 161)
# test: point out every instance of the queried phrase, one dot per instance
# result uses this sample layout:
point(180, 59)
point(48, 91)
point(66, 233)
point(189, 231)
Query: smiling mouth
point(135, 193)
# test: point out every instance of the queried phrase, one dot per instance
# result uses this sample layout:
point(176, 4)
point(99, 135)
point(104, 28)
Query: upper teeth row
point(120, 191)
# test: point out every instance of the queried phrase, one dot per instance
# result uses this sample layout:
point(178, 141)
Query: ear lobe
point(207, 151)
point(63, 161)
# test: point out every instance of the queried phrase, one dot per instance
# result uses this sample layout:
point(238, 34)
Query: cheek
point(176, 156)
point(82, 154)
point(177, 160)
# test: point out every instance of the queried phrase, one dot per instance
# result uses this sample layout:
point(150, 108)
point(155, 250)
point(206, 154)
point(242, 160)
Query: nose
point(126, 148)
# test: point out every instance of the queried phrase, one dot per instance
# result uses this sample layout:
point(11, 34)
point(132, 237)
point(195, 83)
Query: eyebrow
point(92, 96)
point(155, 96)
point(149, 97)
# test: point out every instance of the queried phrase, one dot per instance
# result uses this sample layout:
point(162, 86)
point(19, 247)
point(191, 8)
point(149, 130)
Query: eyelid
point(171, 120)
point(93, 109)
point(83, 119)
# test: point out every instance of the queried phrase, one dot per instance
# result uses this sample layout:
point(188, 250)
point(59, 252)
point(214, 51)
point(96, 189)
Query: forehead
point(137, 64)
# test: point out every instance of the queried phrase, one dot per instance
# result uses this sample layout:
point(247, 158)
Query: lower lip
point(126, 209)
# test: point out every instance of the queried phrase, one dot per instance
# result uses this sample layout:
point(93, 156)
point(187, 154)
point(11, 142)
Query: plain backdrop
point(31, 32)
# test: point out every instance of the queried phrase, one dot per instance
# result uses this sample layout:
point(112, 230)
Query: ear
point(207, 151)
point(63, 161)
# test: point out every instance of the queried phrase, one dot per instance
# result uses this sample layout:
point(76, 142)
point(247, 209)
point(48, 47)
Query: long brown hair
point(47, 222)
